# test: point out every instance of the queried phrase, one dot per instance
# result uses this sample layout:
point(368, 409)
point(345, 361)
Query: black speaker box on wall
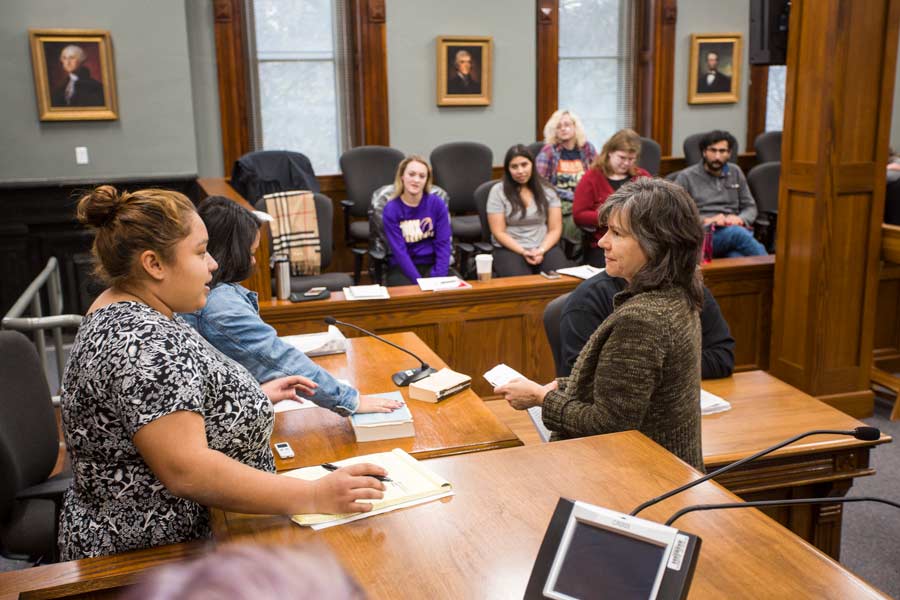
point(769, 31)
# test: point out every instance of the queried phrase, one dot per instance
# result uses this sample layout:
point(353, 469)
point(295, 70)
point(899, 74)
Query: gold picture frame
point(715, 79)
point(464, 70)
point(74, 75)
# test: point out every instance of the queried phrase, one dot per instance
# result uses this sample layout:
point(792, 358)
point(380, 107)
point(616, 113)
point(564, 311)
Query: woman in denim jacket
point(230, 320)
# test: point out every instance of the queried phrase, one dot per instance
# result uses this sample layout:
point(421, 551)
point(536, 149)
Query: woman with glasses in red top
point(614, 166)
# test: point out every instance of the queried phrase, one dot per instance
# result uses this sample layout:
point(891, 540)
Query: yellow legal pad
point(412, 483)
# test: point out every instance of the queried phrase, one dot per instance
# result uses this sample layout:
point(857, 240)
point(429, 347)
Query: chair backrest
point(768, 147)
point(651, 155)
point(29, 442)
point(366, 169)
point(763, 181)
point(324, 218)
point(552, 315)
point(691, 147)
point(536, 148)
point(481, 198)
point(892, 199)
point(380, 198)
point(459, 168)
point(259, 173)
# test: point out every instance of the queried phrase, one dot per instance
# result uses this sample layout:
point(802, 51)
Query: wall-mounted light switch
point(81, 155)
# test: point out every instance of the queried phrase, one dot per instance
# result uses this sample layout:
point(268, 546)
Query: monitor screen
point(600, 563)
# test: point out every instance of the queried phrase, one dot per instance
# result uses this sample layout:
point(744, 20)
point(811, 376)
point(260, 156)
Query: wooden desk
point(457, 425)
point(481, 543)
point(502, 320)
point(765, 411)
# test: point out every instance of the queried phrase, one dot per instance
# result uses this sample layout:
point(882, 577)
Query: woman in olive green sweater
point(641, 367)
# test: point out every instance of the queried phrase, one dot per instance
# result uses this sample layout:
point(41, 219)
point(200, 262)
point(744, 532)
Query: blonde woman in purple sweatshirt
point(417, 226)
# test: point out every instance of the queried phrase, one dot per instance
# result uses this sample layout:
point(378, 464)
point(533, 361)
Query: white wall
point(417, 124)
point(708, 16)
point(154, 135)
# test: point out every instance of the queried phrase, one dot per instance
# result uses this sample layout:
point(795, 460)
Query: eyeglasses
point(625, 158)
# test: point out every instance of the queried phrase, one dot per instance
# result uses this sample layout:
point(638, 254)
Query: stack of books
point(371, 427)
point(438, 386)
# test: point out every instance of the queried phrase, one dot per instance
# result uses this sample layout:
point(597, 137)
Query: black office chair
point(484, 245)
point(364, 169)
point(692, 154)
point(259, 173)
point(459, 168)
point(324, 217)
point(651, 156)
point(763, 181)
point(30, 500)
point(552, 316)
point(892, 199)
point(768, 147)
point(536, 148)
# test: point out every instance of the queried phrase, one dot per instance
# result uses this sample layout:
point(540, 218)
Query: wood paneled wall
point(502, 321)
point(838, 114)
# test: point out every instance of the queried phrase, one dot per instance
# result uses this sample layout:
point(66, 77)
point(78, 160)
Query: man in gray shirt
point(720, 190)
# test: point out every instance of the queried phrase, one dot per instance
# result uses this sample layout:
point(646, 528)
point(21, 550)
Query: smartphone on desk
point(550, 275)
point(316, 293)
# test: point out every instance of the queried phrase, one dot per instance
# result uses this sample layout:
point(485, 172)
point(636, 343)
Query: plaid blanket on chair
point(295, 230)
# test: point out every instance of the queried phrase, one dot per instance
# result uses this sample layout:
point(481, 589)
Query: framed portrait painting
point(464, 70)
point(715, 74)
point(74, 75)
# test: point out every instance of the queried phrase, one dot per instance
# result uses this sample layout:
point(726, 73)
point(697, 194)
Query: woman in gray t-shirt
point(525, 218)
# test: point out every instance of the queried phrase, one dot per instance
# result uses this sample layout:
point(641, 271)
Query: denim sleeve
point(232, 325)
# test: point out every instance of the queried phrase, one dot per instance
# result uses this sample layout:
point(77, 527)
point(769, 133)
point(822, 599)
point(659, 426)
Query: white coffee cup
point(483, 265)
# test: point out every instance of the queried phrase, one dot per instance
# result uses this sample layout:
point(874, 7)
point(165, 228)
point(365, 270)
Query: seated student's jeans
point(735, 240)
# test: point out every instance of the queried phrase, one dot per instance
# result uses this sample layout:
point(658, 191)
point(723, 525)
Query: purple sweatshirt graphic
point(418, 236)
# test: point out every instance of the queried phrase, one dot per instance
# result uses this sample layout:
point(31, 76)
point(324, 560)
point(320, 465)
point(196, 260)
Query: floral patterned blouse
point(130, 365)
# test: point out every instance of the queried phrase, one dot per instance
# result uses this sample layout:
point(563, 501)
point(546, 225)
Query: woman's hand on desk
point(340, 491)
point(374, 404)
point(524, 393)
point(286, 388)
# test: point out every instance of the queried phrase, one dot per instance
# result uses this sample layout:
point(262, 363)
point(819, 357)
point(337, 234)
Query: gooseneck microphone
point(869, 434)
point(764, 503)
point(400, 378)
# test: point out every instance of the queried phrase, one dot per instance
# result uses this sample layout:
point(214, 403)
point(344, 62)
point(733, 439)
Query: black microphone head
point(868, 434)
point(330, 320)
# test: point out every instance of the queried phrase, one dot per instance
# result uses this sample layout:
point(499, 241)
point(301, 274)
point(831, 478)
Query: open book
point(412, 483)
point(331, 341)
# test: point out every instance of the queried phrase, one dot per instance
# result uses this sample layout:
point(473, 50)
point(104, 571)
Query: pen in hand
point(333, 467)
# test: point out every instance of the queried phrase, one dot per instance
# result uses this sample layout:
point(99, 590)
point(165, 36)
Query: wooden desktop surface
point(765, 411)
point(456, 425)
point(481, 542)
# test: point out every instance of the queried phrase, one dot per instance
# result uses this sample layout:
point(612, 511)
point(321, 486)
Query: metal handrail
point(37, 322)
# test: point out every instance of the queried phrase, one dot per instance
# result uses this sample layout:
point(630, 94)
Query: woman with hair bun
point(139, 378)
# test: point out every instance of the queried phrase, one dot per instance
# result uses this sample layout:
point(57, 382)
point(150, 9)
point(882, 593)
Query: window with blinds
point(299, 76)
point(595, 64)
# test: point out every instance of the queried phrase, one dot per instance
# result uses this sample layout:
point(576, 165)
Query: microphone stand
point(862, 433)
point(400, 378)
point(696, 507)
